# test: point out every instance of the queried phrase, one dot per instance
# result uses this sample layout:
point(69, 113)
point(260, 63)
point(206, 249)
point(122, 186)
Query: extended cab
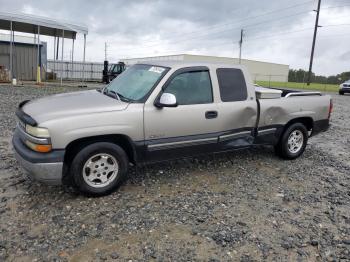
point(159, 111)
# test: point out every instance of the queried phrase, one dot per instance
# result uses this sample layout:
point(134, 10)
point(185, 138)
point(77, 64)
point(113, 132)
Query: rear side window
point(232, 84)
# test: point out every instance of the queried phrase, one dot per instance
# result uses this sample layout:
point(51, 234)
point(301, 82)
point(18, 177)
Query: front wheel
point(341, 93)
point(98, 169)
point(293, 142)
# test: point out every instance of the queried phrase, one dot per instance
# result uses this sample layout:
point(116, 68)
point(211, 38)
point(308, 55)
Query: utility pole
point(105, 51)
point(240, 46)
point(58, 45)
point(313, 42)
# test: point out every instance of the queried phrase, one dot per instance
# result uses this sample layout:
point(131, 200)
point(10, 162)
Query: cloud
point(345, 56)
point(275, 31)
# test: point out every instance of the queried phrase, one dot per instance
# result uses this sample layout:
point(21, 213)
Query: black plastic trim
point(268, 138)
point(320, 126)
point(55, 156)
point(191, 147)
point(23, 116)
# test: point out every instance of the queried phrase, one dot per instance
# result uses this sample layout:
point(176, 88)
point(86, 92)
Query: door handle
point(211, 114)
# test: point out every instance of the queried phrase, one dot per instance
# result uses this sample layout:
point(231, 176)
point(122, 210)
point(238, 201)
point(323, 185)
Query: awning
point(51, 27)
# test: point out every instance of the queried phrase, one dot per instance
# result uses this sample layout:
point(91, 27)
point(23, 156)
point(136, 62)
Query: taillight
point(330, 109)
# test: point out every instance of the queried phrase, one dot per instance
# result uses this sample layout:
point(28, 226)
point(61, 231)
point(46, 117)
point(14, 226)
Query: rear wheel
point(293, 142)
point(98, 169)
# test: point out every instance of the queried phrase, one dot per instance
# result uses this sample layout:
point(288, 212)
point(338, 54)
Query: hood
point(68, 104)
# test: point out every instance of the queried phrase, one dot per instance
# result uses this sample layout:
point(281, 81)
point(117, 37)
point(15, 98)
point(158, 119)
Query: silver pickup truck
point(160, 111)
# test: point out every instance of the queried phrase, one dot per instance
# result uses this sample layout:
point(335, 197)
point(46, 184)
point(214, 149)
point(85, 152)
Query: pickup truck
point(159, 111)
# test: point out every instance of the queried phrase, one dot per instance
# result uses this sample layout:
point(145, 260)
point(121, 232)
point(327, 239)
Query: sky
point(277, 31)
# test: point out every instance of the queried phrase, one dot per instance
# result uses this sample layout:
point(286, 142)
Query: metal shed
point(24, 56)
point(39, 25)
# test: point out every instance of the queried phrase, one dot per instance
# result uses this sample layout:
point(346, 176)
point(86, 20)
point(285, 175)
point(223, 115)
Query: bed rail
point(303, 94)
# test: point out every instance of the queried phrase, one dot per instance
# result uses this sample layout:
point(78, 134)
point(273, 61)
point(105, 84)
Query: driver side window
point(191, 88)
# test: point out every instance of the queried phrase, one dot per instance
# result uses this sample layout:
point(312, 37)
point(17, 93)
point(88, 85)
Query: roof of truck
point(180, 64)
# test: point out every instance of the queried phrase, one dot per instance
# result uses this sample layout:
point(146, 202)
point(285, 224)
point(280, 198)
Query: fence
point(74, 71)
point(275, 81)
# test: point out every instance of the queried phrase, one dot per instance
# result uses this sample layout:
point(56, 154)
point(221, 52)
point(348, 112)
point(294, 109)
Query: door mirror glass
point(167, 100)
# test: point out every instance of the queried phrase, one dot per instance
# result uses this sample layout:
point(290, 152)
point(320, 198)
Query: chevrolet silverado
point(159, 111)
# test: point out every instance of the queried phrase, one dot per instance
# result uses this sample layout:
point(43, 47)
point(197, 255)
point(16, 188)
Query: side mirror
point(166, 100)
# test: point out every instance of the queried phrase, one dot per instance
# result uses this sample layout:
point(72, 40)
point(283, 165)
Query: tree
point(300, 75)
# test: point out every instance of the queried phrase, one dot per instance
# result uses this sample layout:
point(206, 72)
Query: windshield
point(136, 82)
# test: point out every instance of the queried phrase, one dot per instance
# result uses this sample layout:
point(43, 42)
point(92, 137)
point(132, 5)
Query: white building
point(260, 71)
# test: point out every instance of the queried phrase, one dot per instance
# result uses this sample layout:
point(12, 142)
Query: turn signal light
point(39, 148)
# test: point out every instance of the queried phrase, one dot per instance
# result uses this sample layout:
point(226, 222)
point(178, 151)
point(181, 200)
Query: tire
point(341, 93)
point(99, 168)
point(289, 146)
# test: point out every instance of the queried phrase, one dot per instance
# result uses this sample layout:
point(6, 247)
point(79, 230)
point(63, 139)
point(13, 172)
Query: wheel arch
point(308, 122)
point(279, 148)
point(123, 141)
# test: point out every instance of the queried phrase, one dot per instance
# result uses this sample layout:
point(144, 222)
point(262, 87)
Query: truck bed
point(293, 104)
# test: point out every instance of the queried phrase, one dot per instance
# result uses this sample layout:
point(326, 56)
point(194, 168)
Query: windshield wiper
point(125, 99)
point(115, 94)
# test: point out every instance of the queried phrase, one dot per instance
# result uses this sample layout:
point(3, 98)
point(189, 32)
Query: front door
point(192, 126)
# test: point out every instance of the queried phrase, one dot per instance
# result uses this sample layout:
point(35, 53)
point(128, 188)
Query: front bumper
point(46, 168)
point(345, 89)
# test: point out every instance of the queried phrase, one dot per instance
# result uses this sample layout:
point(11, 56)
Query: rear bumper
point(46, 168)
point(320, 126)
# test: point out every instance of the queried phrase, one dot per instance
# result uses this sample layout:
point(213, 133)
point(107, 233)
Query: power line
point(289, 32)
point(251, 25)
point(235, 28)
point(237, 21)
point(336, 25)
point(177, 51)
point(278, 34)
point(330, 7)
point(250, 40)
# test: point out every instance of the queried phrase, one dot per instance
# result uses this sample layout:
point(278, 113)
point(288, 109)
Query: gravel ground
point(247, 205)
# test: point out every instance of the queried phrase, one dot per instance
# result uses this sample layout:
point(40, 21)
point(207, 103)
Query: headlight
point(40, 140)
point(37, 131)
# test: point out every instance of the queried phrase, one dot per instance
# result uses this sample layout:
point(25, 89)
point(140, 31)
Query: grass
point(293, 85)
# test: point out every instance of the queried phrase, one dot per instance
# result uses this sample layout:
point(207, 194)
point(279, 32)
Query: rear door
point(237, 109)
point(192, 126)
